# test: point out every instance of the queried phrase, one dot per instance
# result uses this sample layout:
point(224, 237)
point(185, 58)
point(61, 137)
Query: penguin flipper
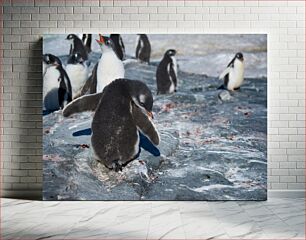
point(145, 125)
point(224, 73)
point(147, 145)
point(83, 132)
point(82, 104)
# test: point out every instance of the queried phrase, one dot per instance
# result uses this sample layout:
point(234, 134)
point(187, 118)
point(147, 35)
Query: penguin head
point(75, 59)
point(104, 42)
point(239, 56)
point(51, 60)
point(141, 96)
point(170, 52)
point(71, 37)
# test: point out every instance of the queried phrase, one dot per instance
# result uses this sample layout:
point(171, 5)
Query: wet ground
point(213, 145)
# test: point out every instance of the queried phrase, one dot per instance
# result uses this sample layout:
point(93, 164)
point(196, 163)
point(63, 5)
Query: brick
point(21, 17)
point(91, 3)
point(29, 10)
point(185, 9)
point(48, 10)
point(138, 3)
point(158, 3)
point(66, 10)
point(81, 9)
point(147, 9)
point(47, 23)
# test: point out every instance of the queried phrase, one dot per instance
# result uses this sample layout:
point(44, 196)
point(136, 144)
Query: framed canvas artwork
point(155, 116)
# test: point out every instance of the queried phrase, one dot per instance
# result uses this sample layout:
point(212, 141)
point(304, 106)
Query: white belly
point(110, 68)
point(78, 75)
point(236, 76)
point(174, 65)
point(50, 89)
point(172, 86)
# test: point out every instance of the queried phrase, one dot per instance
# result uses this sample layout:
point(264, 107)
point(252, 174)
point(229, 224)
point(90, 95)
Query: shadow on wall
point(30, 111)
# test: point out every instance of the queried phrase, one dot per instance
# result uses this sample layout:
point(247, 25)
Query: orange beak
point(101, 40)
point(150, 115)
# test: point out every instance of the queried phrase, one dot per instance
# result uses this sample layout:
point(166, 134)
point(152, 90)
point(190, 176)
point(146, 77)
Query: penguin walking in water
point(233, 75)
point(86, 39)
point(123, 113)
point(109, 68)
point(166, 73)
point(143, 49)
point(77, 71)
point(118, 45)
point(77, 46)
point(56, 84)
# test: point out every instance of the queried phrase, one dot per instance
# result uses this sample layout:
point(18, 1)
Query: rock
point(224, 95)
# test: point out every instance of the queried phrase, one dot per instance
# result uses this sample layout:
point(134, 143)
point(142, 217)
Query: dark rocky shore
point(213, 145)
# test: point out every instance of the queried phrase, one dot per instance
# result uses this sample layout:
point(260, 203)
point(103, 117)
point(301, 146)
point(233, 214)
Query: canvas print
point(154, 116)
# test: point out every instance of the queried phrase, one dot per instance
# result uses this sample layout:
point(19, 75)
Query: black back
point(118, 45)
point(87, 39)
point(77, 47)
point(143, 49)
point(164, 74)
point(64, 91)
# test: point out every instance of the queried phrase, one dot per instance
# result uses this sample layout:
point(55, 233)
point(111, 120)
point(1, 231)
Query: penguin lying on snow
point(77, 71)
point(77, 46)
point(143, 49)
point(86, 39)
point(166, 74)
point(56, 84)
point(233, 75)
point(109, 68)
point(118, 45)
point(122, 112)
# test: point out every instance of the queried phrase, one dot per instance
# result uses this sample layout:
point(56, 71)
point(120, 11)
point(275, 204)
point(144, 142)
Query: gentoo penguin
point(56, 84)
point(118, 45)
point(166, 74)
point(233, 75)
point(77, 71)
point(110, 67)
point(77, 46)
point(143, 49)
point(122, 113)
point(86, 39)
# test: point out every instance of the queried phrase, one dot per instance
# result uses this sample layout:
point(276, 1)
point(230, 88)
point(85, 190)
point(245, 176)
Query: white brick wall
point(24, 21)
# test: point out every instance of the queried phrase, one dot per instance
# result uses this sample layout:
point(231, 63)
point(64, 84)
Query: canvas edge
point(37, 194)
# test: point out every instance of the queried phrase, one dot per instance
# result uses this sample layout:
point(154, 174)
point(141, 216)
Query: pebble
point(224, 95)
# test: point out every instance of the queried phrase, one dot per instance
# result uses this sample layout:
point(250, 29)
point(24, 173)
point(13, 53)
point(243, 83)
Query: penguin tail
point(82, 104)
point(222, 87)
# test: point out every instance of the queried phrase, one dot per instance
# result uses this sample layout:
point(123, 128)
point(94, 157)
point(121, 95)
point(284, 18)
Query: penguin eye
point(142, 104)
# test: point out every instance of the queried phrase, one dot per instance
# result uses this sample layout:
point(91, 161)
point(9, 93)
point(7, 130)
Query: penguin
point(110, 67)
point(56, 84)
point(118, 45)
point(90, 85)
point(77, 71)
point(233, 75)
point(166, 73)
point(86, 39)
point(123, 111)
point(77, 46)
point(143, 49)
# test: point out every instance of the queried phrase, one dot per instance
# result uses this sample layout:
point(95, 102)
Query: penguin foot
point(222, 87)
point(238, 88)
point(117, 166)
